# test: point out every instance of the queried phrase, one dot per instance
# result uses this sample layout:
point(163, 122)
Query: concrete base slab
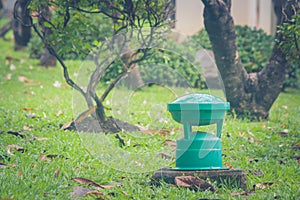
point(235, 178)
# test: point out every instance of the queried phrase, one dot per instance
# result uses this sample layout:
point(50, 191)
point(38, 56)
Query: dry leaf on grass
point(166, 131)
point(17, 134)
point(26, 128)
point(282, 133)
point(193, 183)
point(96, 194)
point(14, 146)
point(59, 113)
point(31, 115)
point(256, 172)
point(263, 185)
point(37, 138)
point(3, 165)
point(26, 109)
point(244, 193)
point(57, 84)
point(24, 79)
point(85, 181)
point(56, 173)
point(170, 143)
point(165, 156)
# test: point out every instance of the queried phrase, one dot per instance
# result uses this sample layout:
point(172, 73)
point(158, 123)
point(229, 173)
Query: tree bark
point(251, 94)
point(22, 32)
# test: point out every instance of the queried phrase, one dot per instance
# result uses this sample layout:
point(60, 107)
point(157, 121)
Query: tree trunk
point(46, 58)
point(249, 94)
point(22, 32)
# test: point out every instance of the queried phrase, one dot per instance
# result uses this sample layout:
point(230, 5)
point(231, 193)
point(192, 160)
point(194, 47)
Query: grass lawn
point(43, 161)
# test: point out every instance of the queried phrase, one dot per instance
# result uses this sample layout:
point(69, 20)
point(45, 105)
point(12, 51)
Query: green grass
point(252, 146)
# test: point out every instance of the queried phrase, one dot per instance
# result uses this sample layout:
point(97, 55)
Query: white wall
point(254, 13)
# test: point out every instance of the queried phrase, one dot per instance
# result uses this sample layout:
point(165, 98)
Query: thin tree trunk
point(22, 32)
point(249, 94)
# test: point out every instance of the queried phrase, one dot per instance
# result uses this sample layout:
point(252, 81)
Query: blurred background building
point(257, 14)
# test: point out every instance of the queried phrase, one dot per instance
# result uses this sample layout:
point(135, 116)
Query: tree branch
point(65, 69)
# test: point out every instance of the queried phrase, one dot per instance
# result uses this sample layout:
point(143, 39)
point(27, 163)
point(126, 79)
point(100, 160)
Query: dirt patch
point(111, 125)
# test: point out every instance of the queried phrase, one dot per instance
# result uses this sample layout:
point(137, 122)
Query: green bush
point(290, 45)
point(255, 48)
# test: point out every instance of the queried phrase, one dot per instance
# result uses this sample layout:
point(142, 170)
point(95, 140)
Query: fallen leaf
point(59, 113)
point(35, 83)
point(26, 109)
point(26, 128)
point(250, 139)
point(283, 126)
point(244, 193)
point(57, 84)
point(3, 165)
point(37, 138)
point(170, 143)
point(9, 58)
point(13, 165)
point(31, 115)
point(241, 134)
point(227, 164)
point(29, 92)
point(56, 173)
point(17, 134)
point(8, 76)
point(263, 185)
point(24, 79)
point(165, 156)
point(263, 125)
point(14, 146)
point(283, 134)
point(52, 156)
point(167, 131)
point(285, 107)
point(44, 157)
point(12, 67)
point(193, 183)
point(111, 185)
point(96, 194)
point(20, 174)
point(85, 181)
point(256, 172)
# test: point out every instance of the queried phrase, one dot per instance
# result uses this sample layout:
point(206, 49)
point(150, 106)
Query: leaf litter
point(193, 183)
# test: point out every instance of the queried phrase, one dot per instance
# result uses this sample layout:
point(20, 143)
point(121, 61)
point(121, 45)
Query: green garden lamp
point(199, 150)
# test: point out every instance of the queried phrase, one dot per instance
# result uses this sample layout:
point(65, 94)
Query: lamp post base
point(232, 178)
